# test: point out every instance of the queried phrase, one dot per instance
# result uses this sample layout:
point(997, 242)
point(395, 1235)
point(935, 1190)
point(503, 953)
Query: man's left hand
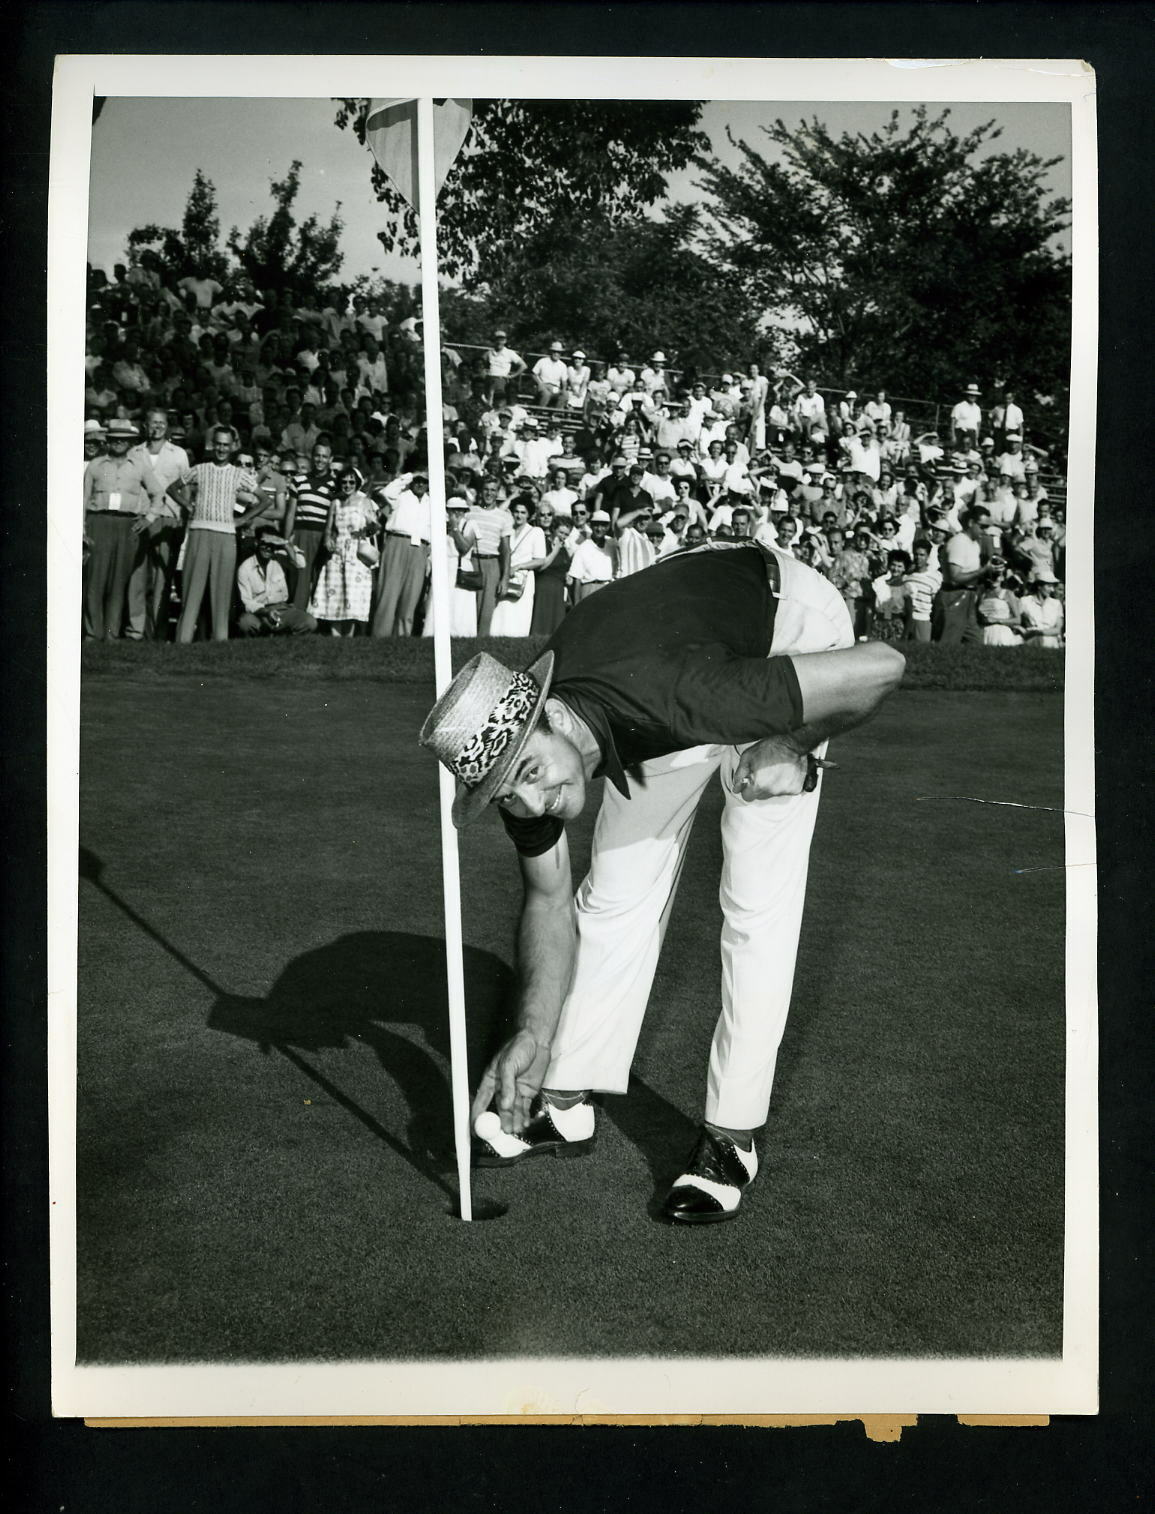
point(773, 767)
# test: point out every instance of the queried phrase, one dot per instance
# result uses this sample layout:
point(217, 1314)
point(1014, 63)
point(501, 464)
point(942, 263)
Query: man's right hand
point(512, 1080)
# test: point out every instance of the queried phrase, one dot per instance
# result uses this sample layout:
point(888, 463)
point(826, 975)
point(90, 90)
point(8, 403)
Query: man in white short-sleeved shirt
point(966, 418)
point(502, 367)
point(956, 603)
point(552, 376)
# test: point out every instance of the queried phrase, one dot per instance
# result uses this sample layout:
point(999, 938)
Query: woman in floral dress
point(344, 591)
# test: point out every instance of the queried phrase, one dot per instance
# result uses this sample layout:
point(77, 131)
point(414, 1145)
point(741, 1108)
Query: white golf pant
point(624, 903)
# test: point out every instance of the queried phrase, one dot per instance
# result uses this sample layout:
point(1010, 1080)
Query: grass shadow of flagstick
point(340, 992)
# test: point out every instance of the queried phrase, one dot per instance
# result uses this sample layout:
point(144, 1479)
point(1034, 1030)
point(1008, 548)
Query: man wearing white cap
point(653, 375)
point(965, 420)
point(695, 666)
point(117, 493)
point(594, 562)
point(1012, 462)
point(503, 366)
point(552, 376)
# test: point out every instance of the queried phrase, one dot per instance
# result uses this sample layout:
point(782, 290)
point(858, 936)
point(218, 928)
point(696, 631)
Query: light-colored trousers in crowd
point(624, 903)
point(210, 564)
point(402, 578)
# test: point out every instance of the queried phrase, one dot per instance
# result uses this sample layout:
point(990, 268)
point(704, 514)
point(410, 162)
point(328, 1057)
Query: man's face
point(975, 528)
point(489, 493)
point(921, 557)
point(695, 534)
point(580, 515)
point(599, 530)
point(547, 779)
point(157, 426)
point(322, 459)
point(222, 446)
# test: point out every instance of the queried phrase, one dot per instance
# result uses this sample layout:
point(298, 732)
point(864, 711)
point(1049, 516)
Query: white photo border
point(601, 1386)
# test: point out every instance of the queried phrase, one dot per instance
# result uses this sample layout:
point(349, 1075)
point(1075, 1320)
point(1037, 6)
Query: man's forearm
point(841, 690)
point(546, 944)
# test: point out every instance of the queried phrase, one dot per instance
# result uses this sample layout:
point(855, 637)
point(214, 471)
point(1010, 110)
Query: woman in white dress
point(527, 552)
point(344, 591)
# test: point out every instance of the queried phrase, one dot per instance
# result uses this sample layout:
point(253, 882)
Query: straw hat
point(480, 725)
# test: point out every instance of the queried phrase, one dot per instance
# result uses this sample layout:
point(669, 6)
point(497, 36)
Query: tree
point(638, 284)
point(194, 250)
point(278, 254)
point(900, 258)
point(528, 163)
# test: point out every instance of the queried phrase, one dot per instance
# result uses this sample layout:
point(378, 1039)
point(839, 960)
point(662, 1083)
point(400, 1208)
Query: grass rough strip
point(409, 660)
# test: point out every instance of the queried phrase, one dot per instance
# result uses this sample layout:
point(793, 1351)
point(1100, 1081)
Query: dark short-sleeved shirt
point(673, 657)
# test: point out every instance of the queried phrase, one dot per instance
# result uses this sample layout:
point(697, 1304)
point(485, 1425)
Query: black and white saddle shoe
point(710, 1189)
point(550, 1132)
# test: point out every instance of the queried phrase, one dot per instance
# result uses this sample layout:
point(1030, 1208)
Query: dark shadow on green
point(353, 989)
point(659, 1130)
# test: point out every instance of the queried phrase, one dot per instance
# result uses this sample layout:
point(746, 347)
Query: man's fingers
point(507, 1093)
point(484, 1095)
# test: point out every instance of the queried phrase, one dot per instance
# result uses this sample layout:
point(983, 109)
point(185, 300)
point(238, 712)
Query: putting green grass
point(265, 1166)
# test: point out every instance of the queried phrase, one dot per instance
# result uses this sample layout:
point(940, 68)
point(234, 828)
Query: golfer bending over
point(731, 658)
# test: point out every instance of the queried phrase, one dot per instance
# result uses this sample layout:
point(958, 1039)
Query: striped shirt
point(922, 587)
point(216, 494)
point(313, 500)
point(487, 527)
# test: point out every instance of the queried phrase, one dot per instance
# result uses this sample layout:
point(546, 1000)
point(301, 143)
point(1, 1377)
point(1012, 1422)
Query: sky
point(145, 152)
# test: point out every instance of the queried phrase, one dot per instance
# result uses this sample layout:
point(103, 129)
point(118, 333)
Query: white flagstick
point(450, 874)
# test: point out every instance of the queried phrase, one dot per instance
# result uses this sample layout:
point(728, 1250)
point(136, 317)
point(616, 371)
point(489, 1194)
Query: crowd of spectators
point(255, 464)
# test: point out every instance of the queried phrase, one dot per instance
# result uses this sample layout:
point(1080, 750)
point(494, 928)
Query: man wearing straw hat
point(736, 660)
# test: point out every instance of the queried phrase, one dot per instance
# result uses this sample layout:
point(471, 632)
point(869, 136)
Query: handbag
point(516, 585)
point(470, 578)
point(368, 554)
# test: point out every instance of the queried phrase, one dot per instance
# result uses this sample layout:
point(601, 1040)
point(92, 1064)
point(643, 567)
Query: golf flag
point(391, 132)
